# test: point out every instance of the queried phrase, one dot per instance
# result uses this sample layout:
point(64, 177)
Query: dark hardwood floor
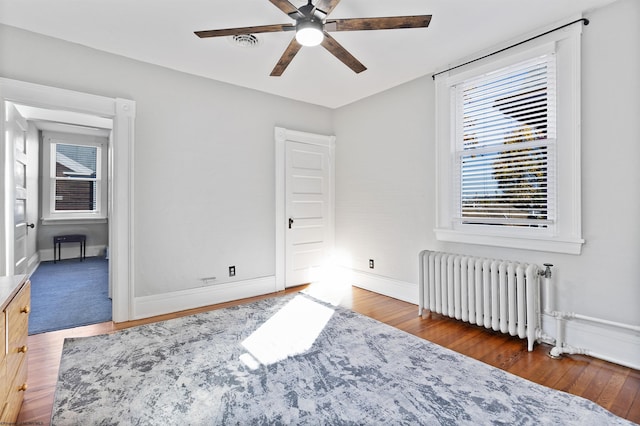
point(614, 387)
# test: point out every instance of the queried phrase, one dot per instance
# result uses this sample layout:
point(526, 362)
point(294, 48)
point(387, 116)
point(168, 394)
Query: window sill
point(73, 220)
point(554, 245)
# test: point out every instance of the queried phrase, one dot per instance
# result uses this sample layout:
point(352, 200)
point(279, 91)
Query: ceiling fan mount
point(308, 11)
point(312, 28)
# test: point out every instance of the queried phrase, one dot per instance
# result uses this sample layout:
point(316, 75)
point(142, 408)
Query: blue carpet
point(69, 294)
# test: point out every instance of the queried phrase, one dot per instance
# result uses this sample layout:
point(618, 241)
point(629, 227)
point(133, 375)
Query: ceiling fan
point(312, 28)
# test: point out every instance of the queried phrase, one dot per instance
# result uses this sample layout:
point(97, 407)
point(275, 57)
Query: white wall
point(97, 239)
point(386, 194)
point(204, 159)
point(384, 182)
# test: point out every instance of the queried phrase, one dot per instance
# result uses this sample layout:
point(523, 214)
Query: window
point(508, 149)
point(505, 141)
point(76, 177)
point(73, 177)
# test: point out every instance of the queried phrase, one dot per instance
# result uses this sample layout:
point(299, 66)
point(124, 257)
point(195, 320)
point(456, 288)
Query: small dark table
point(75, 238)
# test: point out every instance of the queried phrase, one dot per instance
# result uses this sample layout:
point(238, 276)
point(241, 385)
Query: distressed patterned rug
point(294, 360)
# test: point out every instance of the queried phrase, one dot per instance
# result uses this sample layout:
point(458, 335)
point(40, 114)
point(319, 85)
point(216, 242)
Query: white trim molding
point(402, 290)
point(159, 304)
point(48, 178)
point(33, 263)
point(122, 112)
point(551, 244)
point(121, 210)
point(71, 251)
point(607, 342)
point(281, 136)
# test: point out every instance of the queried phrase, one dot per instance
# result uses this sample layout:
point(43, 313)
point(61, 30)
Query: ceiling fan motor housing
point(309, 32)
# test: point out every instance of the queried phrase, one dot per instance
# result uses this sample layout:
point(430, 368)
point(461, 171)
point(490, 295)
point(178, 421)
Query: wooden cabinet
point(16, 305)
point(4, 386)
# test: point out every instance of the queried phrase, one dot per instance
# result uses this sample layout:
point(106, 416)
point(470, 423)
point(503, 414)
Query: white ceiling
point(161, 32)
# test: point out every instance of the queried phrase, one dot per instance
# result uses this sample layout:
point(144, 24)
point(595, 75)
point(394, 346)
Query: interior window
point(74, 184)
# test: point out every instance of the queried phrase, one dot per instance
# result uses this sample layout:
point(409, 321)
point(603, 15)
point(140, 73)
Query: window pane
point(509, 106)
point(76, 173)
point(75, 195)
point(507, 130)
point(506, 187)
point(76, 161)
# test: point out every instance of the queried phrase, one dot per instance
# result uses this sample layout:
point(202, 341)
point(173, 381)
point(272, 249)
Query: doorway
point(63, 197)
point(305, 200)
point(120, 204)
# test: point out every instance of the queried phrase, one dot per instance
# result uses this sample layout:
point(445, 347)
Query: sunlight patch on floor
point(291, 331)
point(334, 280)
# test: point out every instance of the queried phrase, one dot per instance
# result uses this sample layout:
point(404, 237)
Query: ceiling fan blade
point(246, 30)
point(386, 23)
point(286, 58)
point(285, 6)
point(341, 53)
point(327, 5)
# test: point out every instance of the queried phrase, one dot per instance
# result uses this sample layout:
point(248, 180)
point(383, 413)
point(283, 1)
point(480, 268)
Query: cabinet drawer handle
point(23, 387)
point(26, 309)
point(23, 349)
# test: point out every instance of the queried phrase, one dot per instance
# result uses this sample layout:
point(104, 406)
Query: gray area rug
point(294, 360)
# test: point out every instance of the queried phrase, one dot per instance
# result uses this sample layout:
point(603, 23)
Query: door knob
point(31, 225)
point(290, 222)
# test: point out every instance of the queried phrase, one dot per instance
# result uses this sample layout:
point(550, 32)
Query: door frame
point(283, 135)
point(121, 206)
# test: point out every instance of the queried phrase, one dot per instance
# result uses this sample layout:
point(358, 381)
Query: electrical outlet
point(232, 271)
point(371, 263)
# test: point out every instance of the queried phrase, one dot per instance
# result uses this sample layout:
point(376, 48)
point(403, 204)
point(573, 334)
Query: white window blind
point(505, 146)
point(75, 177)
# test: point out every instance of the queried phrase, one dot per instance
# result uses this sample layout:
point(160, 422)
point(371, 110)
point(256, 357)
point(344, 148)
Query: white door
point(304, 205)
point(307, 204)
point(16, 132)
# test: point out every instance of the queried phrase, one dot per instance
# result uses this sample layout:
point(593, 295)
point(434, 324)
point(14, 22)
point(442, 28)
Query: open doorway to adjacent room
point(60, 233)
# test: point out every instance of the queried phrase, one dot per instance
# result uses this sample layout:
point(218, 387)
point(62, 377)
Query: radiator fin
point(496, 294)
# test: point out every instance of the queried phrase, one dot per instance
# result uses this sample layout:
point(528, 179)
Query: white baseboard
point(401, 290)
point(159, 304)
point(71, 251)
point(614, 344)
point(33, 262)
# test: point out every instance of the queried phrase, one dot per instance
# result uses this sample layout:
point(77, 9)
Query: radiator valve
point(547, 272)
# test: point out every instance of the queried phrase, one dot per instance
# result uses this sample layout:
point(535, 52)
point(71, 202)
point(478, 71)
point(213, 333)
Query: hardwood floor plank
point(629, 392)
point(597, 384)
point(611, 390)
point(506, 355)
point(615, 387)
point(577, 378)
point(633, 413)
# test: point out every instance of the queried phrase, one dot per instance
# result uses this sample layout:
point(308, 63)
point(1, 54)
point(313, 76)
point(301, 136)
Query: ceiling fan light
point(309, 33)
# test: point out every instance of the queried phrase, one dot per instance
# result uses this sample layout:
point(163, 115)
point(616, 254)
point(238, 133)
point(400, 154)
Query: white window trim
point(49, 215)
point(567, 233)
